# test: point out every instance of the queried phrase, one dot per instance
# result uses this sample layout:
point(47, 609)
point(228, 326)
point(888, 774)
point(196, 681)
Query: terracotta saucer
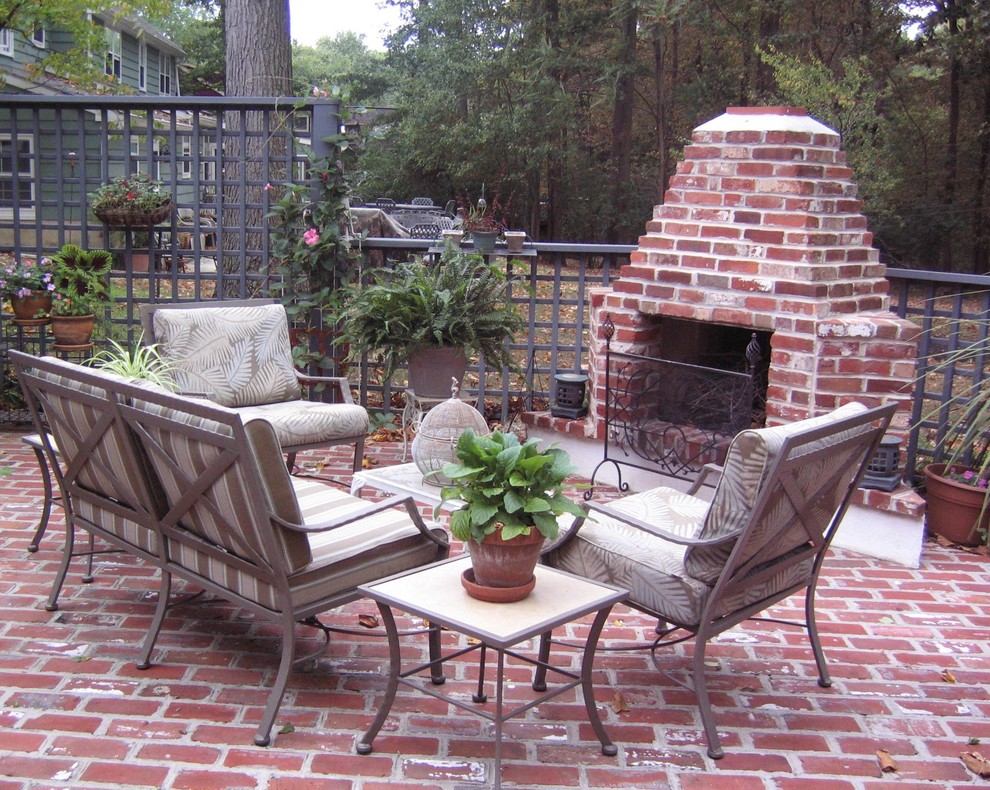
point(495, 594)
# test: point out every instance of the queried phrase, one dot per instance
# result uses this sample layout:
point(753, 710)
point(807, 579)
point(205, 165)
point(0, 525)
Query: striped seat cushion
point(749, 459)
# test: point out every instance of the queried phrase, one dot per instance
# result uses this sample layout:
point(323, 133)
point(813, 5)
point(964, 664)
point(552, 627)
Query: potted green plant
point(29, 284)
point(956, 483)
point(135, 200)
point(140, 362)
point(432, 315)
point(482, 226)
point(512, 495)
point(80, 289)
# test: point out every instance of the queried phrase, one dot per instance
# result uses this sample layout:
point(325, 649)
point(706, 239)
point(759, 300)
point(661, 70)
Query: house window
point(6, 42)
point(113, 54)
point(16, 174)
point(185, 165)
point(142, 66)
point(38, 37)
point(165, 74)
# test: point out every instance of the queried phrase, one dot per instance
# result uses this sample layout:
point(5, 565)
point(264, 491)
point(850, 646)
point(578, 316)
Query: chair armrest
point(372, 508)
point(706, 471)
point(339, 383)
point(632, 521)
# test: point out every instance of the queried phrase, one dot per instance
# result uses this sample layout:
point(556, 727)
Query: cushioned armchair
point(238, 354)
point(702, 567)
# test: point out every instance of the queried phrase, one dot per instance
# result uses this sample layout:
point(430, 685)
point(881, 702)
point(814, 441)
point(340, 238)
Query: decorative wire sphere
point(435, 443)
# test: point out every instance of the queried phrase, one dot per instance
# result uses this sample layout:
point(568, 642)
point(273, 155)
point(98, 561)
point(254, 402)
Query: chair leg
point(70, 539)
point(290, 461)
point(164, 591)
point(359, 454)
point(263, 736)
point(824, 680)
point(46, 507)
point(704, 703)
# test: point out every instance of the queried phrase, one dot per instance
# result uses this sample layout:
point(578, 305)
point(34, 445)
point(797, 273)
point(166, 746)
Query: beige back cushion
point(237, 356)
point(750, 456)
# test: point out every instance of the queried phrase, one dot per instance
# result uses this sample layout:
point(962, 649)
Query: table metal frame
point(603, 597)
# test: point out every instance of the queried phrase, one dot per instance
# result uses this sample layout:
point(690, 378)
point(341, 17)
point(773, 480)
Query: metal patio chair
point(702, 567)
point(237, 353)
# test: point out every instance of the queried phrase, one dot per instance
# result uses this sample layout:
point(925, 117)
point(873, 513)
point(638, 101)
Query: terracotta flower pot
point(505, 565)
point(955, 510)
point(27, 308)
point(73, 332)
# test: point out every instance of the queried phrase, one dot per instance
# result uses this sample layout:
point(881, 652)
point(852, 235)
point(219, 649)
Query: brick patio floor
point(908, 652)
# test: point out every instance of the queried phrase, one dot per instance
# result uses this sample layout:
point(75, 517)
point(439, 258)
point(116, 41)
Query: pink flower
point(968, 475)
point(311, 237)
point(267, 187)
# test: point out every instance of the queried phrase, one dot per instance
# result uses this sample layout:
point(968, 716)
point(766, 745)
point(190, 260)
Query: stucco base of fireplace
point(887, 526)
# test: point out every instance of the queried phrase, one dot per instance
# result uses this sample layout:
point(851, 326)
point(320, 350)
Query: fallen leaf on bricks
point(368, 620)
point(319, 466)
point(948, 677)
point(975, 763)
point(619, 703)
point(887, 764)
point(286, 728)
point(618, 623)
point(367, 463)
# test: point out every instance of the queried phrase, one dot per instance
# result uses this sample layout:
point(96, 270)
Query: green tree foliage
point(344, 61)
point(197, 27)
point(575, 112)
point(74, 61)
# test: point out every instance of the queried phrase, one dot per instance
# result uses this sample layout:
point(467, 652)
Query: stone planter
point(432, 367)
point(954, 510)
point(484, 240)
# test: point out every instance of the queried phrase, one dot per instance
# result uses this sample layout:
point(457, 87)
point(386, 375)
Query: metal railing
point(217, 155)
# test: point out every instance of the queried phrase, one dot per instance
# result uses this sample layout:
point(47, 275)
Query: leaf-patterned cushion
point(301, 422)
point(652, 569)
point(238, 356)
point(748, 460)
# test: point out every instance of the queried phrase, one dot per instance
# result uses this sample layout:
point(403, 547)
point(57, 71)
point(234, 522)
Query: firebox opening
point(722, 347)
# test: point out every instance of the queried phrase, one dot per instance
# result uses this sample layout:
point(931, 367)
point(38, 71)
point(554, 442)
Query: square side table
point(435, 594)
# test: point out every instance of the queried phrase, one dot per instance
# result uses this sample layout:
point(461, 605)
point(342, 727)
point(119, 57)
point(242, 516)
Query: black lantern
point(568, 398)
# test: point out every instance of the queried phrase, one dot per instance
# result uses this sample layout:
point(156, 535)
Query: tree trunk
point(259, 63)
point(981, 216)
point(952, 143)
point(622, 123)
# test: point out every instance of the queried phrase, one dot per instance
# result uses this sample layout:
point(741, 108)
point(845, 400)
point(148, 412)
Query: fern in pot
point(433, 316)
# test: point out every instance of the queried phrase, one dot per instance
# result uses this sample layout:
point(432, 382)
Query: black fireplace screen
point(674, 417)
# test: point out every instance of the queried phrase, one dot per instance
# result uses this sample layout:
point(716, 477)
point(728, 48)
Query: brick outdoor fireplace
point(762, 230)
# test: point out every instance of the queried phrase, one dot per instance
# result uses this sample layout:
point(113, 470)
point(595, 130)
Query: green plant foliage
point(310, 247)
point(80, 280)
point(461, 300)
point(139, 362)
point(507, 485)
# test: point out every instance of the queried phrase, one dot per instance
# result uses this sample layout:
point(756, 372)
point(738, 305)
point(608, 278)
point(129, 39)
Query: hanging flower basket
point(133, 218)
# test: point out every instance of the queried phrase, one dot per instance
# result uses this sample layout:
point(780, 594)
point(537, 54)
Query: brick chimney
point(762, 229)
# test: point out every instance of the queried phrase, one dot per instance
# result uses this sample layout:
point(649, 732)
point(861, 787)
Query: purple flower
point(968, 475)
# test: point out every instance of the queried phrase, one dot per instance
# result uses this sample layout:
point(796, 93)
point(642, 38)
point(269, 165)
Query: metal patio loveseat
point(200, 491)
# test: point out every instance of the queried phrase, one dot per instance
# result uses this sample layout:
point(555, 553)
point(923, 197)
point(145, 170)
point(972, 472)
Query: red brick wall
point(762, 227)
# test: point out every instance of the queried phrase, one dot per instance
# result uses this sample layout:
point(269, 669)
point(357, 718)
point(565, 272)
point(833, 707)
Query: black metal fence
point(218, 157)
